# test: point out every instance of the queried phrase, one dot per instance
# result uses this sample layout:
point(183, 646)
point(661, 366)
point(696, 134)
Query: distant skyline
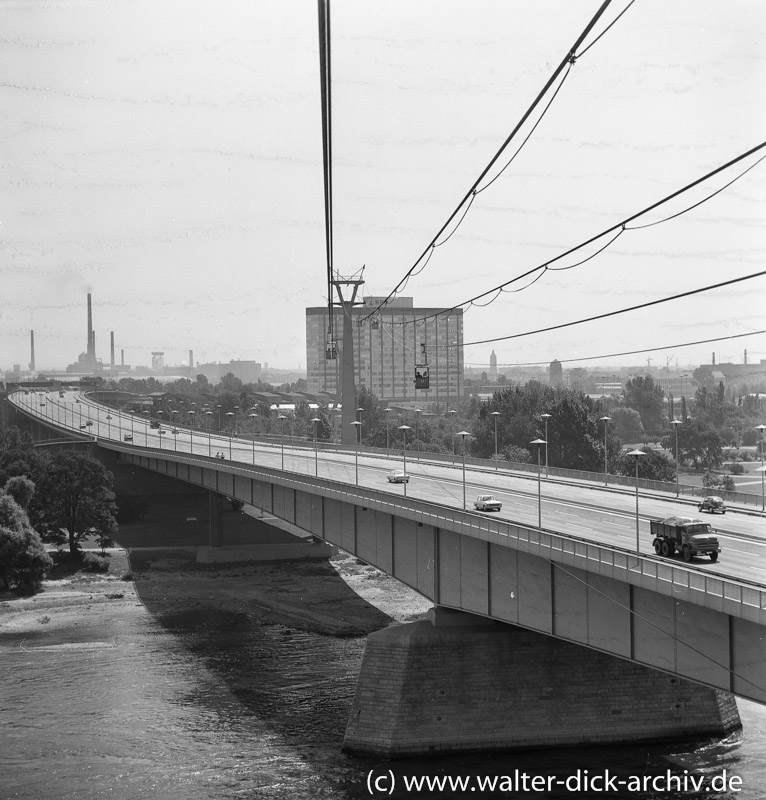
point(166, 157)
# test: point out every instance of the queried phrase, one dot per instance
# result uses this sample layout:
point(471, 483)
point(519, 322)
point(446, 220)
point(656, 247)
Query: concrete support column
point(216, 519)
point(466, 684)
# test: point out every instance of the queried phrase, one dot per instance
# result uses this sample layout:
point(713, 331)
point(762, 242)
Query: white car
point(487, 502)
point(397, 476)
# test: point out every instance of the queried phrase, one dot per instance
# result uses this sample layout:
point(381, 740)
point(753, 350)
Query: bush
point(93, 562)
point(736, 468)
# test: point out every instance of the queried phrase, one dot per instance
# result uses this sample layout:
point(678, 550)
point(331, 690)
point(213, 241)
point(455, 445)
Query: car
point(89, 423)
point(154, 424)
point(397, 476)
point(713, 504)
point(487, 502)
point(128, 437)
point(84, 425)
point(175, 430)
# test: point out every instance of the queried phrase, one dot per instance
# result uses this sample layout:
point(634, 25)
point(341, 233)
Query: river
point(125, 699)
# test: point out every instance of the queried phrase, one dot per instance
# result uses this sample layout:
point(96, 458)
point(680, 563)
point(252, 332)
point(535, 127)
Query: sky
point(166, 157)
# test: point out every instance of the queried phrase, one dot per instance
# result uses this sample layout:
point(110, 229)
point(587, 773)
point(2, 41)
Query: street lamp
point(453, 412)
point(463, 434)
point(191, 431)
point(207, 425)
point(606, 421)
point(282, 418)
point(404, 429)
point(386, 411)
point(418, 412)
point(761, 429)
point(636, 454)
point(109, 426)
point(538, 442)
point(253, 416)
point(316, 449)
point(546, 417)
point(359, 411)
point(675, 423)
point(358, 426)
point(175, 438)
point(495, 414)
point(231, 430)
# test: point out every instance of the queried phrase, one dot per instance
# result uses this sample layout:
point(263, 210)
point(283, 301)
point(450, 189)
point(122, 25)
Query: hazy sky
point(166, 156)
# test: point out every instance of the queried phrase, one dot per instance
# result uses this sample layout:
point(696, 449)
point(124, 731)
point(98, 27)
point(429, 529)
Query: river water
point(215, 705)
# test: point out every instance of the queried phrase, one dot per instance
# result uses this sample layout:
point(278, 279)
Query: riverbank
point(341, 597)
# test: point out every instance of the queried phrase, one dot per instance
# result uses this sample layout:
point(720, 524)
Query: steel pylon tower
point(347, 368)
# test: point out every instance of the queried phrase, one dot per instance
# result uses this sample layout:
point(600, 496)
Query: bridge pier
point(461, 683)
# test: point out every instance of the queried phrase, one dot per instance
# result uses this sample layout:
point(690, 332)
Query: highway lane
point(592, 512)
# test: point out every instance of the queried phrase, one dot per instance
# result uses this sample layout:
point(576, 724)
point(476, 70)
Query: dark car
point(713, 504)
point(128, 437)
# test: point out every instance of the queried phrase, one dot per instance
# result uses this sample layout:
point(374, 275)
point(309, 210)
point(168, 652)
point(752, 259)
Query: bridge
point(602, 641)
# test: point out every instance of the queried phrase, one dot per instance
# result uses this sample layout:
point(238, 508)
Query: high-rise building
point(556, 375)
point(387, 349)
point(493, 367)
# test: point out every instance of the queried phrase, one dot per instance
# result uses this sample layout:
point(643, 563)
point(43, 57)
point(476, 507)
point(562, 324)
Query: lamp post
point(146, 427)
point(463, 434)
point(495, 414)
point(191, 431)
point(253, 416)
point(359, 411)
point(358, 426)
point(109, 426)
point(545, 418)
point(386, 411)
point(453, 412)
point(207, 425)
point(316, 449)
point(538, 442)
point(636, 454)
point(161, 432)
point(231, 430)
point(761, 429)
point(282, 418)
point(418, 412)
point(606, 421)
point(675, 423)
point(404, 429)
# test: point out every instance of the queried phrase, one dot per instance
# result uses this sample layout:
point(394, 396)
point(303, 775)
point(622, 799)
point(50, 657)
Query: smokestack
point(91, 342)
point(191, 359)
point(745, 358)
point(713, 359)
point(122, 357)
point(112, 348)
point(32, 362)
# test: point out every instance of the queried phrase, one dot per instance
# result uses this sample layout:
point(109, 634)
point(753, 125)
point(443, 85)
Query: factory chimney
point(713, 359)
point(745, 357)
point(32, 362)
point(91, 342)
point(112, 348)
point(122, 357)
point(191, 359)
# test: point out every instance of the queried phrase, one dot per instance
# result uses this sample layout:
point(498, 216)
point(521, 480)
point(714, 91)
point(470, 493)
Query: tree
point(627, 424)
point(697, 442)
point(21, 489)
point(79, 500)
point(653, 465)
point(646, 397)
point(23, 560)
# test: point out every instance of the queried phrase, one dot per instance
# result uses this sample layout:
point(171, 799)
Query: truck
point(684, 535)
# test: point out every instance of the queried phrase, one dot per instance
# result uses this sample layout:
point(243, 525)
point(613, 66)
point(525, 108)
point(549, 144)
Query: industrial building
point(388, 348)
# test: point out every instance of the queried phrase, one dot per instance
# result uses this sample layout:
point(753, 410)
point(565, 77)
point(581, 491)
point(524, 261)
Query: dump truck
point(684, 535)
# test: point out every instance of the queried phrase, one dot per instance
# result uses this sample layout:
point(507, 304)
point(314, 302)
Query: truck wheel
point(665, 548)
point(714, 556)
point(657, 546)
point(687, 553)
